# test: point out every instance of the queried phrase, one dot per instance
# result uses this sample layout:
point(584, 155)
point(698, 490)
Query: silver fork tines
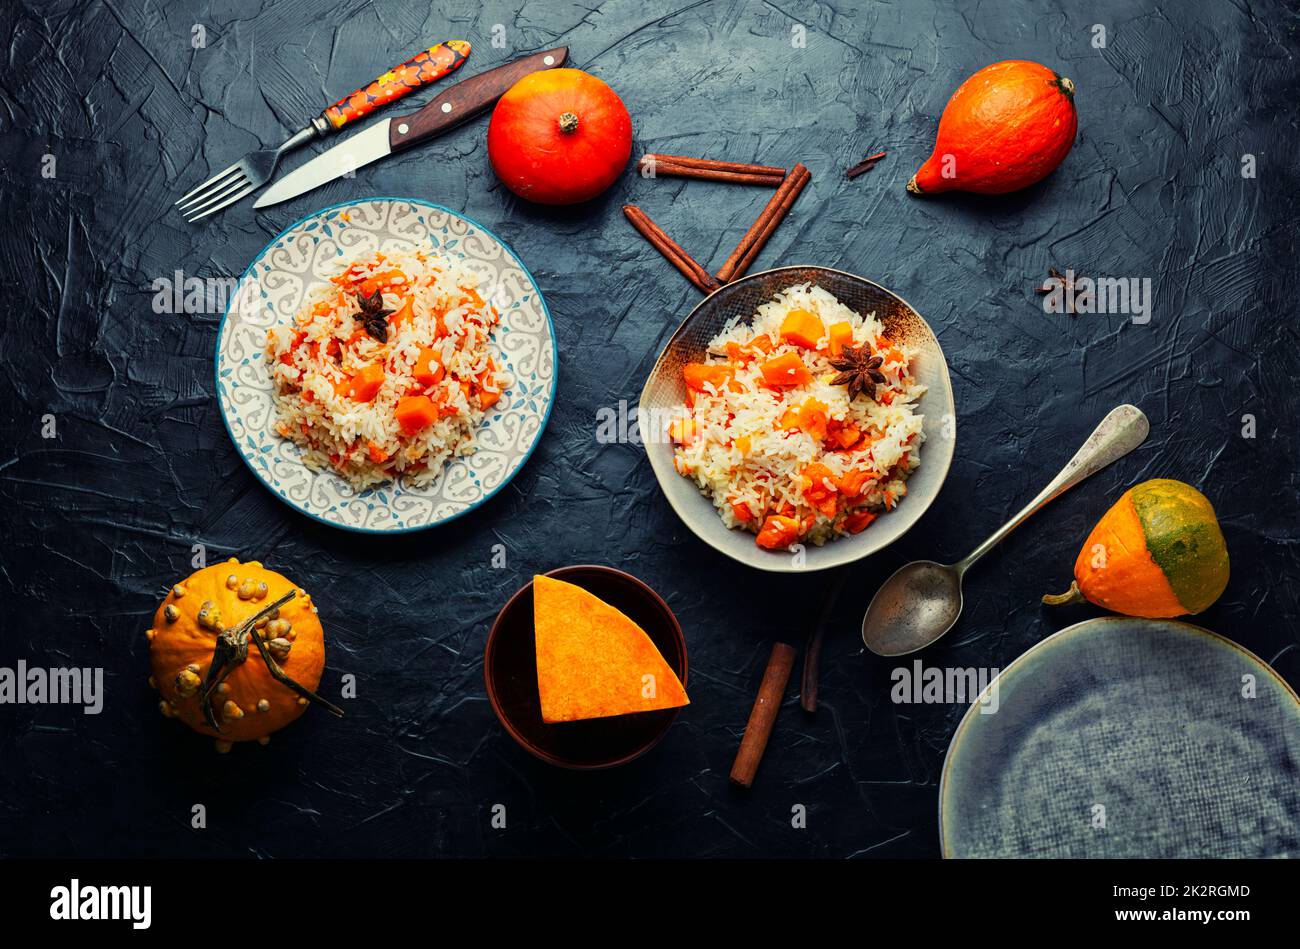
point(207, 187)
point(240, 179)
point(247, 190)
point(215, 194)
point(222, 188)
point(185, 199)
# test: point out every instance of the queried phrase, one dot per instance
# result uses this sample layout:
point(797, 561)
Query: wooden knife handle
point(468, 98)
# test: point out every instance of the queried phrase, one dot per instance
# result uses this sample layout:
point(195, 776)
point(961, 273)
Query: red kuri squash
point(559, 136)
point(1006, 127)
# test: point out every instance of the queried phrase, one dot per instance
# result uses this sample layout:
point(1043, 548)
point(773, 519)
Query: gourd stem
point(1072, 595)
point(568, 123)
point(281, 676)
point(230, 649)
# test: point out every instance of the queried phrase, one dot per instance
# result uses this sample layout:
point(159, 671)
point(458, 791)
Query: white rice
point(768, 478)
point(326, 344)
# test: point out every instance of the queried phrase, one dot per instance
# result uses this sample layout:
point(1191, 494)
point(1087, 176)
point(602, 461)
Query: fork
point(256, 168)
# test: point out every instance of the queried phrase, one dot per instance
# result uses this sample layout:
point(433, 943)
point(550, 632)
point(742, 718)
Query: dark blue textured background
point(98, 520)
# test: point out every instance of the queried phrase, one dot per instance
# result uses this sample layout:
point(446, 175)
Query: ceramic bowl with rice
point(800, 419)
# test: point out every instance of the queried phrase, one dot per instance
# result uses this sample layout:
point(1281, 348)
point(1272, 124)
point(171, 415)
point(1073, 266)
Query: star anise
point(373, 316)
point(859, 370)
point(1066, 281)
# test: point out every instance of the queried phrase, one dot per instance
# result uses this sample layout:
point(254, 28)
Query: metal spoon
point(922, 601)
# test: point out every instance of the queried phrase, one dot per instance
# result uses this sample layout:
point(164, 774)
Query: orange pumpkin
point(237, 651)
point(559, 136)
point(1006, 127)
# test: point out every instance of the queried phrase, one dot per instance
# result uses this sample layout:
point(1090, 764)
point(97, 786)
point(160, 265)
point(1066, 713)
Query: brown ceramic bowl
point(510, 670)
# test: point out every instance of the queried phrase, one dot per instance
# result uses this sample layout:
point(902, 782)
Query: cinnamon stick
point(763, 716)
point(672, 251)
point(682, 166)
point(670, 170)
point(865, 165)
point(758, 234)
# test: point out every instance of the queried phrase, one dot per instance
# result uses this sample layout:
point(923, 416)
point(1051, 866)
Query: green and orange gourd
point(1158, 552)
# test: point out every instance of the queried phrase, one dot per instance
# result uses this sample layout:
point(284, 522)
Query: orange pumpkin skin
point(180, 650)
point(1115, 570)
point(559, 136)
point(1005, 128)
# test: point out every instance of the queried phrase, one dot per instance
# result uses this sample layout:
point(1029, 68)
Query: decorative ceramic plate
point(665, 391)
point(271, 291)
point(1127, 738)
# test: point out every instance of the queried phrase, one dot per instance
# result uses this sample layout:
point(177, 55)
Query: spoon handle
point(1118, 434)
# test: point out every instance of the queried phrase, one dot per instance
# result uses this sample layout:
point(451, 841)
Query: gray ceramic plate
point(664, 391)
point(1127, 738)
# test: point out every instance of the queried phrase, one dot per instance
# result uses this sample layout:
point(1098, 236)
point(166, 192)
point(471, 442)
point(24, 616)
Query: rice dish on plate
point(387, 370)
point(800, 425)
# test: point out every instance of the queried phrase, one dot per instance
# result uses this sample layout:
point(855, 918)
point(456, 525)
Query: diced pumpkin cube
point(415, 412)
point(819, 488)
point(786, 370)
point(778, 532)
point(802, 328)
point(428, 367)
point(683, 431)
point(839, 336)
point(852, 482)
point(843, 434)
point(857, 522)
point(365, 385)
point(697, 375)
point(810, 417)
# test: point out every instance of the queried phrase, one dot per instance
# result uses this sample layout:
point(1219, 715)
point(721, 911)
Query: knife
point(451, 108)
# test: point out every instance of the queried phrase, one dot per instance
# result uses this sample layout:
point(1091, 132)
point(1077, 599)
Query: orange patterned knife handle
point(422, 69)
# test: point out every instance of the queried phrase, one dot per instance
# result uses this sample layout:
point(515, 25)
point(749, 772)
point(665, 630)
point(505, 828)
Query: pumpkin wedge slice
point(594, 662)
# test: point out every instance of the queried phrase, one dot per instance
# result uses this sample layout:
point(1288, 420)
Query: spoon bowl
point(913, 608)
